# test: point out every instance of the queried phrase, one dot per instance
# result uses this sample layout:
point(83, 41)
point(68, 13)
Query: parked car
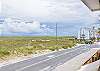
point(88, 42)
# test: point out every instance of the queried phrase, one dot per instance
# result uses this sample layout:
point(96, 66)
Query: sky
point(42, 15)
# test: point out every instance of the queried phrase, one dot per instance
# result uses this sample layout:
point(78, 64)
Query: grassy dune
point(23, 46)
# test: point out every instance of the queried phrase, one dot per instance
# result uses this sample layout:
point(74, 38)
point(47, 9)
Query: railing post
point(99, 68)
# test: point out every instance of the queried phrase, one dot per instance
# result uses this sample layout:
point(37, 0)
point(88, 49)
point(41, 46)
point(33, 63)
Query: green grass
point(23, 46)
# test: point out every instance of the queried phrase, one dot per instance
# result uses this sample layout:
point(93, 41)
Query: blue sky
point(70, 15)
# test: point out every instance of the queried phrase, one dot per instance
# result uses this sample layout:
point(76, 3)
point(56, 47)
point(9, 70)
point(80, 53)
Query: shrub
point(4, 52)
point(52, 48)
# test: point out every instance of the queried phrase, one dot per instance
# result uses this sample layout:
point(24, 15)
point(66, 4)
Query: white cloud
point(0, 7)
point(69, 11)
point(19, 26)
point(45, 9)
point(25, 7)
point(47, 29)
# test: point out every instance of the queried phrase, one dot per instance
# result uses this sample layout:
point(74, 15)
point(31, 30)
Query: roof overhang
point(93, 5)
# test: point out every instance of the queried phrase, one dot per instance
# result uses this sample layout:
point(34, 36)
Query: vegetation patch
point(23, 46)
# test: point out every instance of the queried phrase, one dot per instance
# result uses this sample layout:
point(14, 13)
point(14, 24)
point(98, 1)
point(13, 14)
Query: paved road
point(46, 62)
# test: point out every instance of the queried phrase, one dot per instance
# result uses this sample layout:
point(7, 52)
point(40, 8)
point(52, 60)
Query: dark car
point(88, 42)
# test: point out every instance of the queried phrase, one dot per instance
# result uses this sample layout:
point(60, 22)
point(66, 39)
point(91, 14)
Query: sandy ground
point(15, 59)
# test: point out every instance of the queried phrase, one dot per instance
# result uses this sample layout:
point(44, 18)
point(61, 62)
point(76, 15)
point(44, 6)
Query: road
point(46, 62)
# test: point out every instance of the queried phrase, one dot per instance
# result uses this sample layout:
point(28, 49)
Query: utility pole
point(56, 36)
point(56, 31)
point(89, 34)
